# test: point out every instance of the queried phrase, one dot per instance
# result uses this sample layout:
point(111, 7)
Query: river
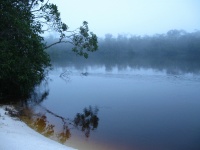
point(135, 108)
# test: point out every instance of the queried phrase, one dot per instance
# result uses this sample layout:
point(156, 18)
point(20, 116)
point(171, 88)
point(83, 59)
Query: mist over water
point(174, 52)
point(138, 109)
point(146, 90)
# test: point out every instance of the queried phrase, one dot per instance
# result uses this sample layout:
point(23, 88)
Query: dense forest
point(176, 52)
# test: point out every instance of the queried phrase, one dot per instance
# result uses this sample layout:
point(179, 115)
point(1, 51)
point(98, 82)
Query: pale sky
point(136, 17)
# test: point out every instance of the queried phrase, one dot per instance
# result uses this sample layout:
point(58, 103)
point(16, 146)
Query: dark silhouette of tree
point(23, 61)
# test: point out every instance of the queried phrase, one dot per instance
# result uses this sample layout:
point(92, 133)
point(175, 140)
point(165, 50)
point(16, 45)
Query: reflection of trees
point(64, 135)
point(65, 131)
point(41, 125)
point(39, 94)
point(65, 76)
point(176, 52)
point(88, 120)
point(85, 122)
point(84, 73)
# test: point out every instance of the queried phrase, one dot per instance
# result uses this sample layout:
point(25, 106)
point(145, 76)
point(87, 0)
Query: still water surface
point(139, 109)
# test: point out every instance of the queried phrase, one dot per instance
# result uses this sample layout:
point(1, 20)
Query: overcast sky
point(136, 17)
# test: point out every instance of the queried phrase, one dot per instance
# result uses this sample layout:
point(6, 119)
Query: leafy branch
point(47, 15)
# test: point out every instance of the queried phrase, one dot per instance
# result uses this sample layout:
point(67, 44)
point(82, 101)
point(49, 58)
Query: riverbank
point(16, 135)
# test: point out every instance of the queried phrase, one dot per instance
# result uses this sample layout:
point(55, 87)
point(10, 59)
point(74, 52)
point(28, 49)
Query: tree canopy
point(23, 61)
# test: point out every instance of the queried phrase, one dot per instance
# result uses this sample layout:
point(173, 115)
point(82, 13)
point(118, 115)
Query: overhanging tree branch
point(58, 42)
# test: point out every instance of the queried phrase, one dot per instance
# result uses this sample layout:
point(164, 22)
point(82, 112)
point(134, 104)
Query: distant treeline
point(176, 51)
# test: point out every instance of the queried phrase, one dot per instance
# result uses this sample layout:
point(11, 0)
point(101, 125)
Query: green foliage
point(23, 61)
point(84, 41)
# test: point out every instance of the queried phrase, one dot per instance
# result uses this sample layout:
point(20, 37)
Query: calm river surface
point(139, 109)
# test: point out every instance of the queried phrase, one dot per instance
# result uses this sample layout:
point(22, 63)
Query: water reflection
point(88, 120)
point(84, 73)
point(170, 66)
point(41, 125)
point(84, 122)
point(66, 75)
point(155, 109)
point(174, 52)
point(64, 135)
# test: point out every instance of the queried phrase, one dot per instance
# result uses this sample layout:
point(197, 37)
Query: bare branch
point(58, 42)
point(31, 5)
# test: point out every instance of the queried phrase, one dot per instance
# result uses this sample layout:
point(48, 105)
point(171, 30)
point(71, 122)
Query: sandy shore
point(16, 135)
